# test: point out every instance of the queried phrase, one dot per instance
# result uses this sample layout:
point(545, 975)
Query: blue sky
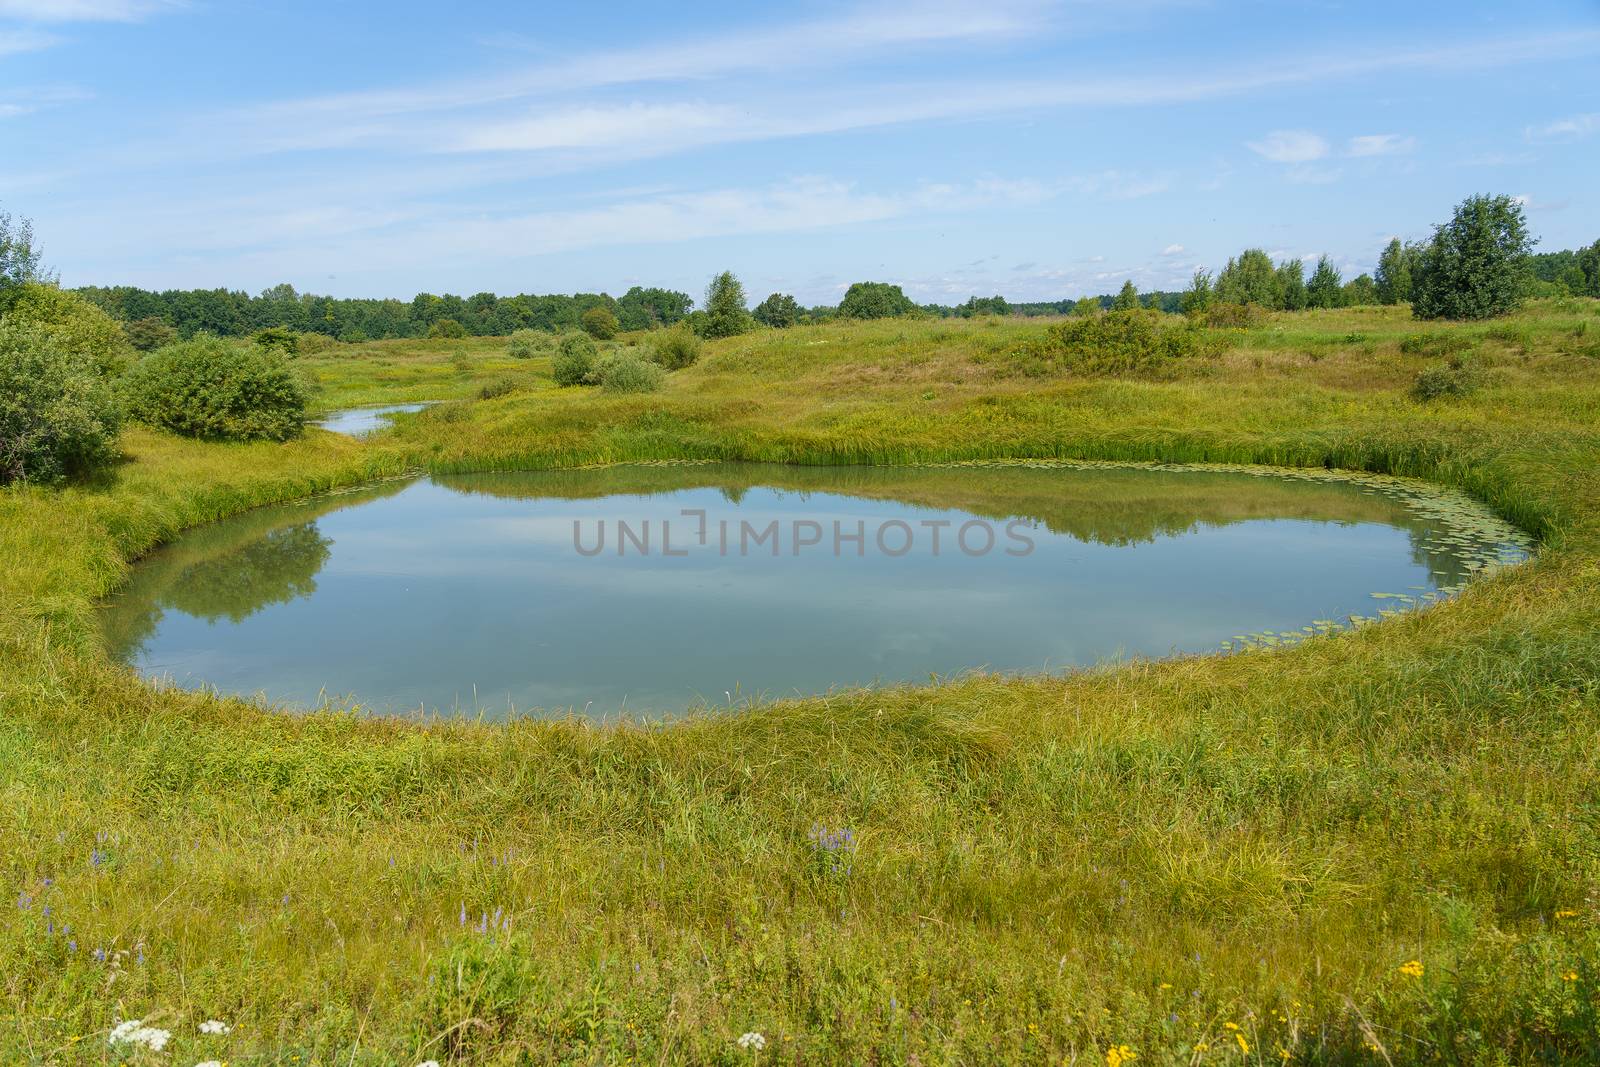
point(1039, 150)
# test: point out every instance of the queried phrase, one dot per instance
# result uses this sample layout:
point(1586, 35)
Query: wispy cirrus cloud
point(1380, 144)
point(1289, 146)
point(1572, 128)
point(83, 10)
point(16, 42)
point(534, 109)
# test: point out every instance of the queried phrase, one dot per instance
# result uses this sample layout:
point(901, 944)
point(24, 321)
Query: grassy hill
point(1382, 845)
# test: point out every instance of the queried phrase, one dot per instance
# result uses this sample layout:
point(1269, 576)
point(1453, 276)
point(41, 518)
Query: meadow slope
point(1382, 846)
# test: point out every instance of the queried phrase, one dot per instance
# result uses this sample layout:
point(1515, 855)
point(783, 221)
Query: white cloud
point(1172, 250)
point(15, 42)
point(501, 113)
point(598, 127)
point(1290, 146)
point(1574, 128)
point(1380, 144)
point(82, 10)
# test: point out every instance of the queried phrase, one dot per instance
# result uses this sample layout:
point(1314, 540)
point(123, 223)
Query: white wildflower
point(428, 1063)
point(753, 1040)
point(123, 1030)
point(214, 1026)
point(135, 1032)
point(209, 1063)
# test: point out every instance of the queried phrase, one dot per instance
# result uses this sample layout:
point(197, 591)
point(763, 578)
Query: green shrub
point(624, 372)
point(1118, 342)
point(525, 344)
point(498, 387)
point(80, 328)
point(284, 340)
point(676, 348)
point(599, 323)
point(447, 328)
point(1457, 377)
point(210, 388)
point(573, 363)
point(1229, 315)
point(57, 415)
point(310, 342)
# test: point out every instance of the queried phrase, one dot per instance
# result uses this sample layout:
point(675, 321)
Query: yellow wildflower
point(1566, 913)
point(1412, 969)
point(1117, 1055)
point(1570, 976)
point(1244, 1046)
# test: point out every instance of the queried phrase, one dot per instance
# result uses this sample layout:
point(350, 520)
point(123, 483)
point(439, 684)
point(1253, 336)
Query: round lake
point(648, 589)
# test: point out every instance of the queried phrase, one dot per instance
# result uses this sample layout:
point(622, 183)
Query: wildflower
point(1570, 976)
point(428, 1063)
point(1411, 969)
point(753, 1041)
point(214, 1026)
point(135, 1032)
point(1244, 1046)
point(1117, 1055)
point(1566, 913)
point(209, 1063)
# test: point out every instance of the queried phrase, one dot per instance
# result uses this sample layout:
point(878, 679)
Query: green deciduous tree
point(1197, 297)
point(19, 259)
point(1477, 264)
point(645, 309)
point(1127, 299)
point(149, 333)
point(1393, 277)
point(875, 300)
point(1250, 279)
point(78, 326)
point(778, 311)
point(1589, 271)
point(1325, 289)
point(1292, 284)
point(726, 315)
point(1360, 291)
point(599, 323)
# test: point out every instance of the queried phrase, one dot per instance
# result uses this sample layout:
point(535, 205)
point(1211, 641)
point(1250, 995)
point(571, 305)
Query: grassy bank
point(1379, 846)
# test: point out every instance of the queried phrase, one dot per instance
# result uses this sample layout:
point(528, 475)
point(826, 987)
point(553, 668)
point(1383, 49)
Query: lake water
point(646, 589)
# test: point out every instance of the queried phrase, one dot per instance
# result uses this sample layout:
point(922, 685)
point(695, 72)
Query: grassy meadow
point(1376, 847)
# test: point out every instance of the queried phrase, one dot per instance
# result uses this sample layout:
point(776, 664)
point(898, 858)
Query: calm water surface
point(478, 594)
point(358, 422)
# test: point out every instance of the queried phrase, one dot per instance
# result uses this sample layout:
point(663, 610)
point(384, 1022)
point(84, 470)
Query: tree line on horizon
point(1487, 239)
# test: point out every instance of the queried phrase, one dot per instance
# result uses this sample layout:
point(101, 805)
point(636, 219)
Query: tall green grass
point(1373, 847)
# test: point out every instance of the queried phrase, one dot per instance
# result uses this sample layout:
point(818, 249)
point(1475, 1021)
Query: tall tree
point(1589, 270)
point(1292, 284)
point(1198, 296)
point(1325, 289)
point(1360, 291)
point(726, 314)
point(1250, 279)
point(19, 260)
point(1477, 265)
point(778, 311)
point(1127, 299)
point(874, 300)
point(1393, 276)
